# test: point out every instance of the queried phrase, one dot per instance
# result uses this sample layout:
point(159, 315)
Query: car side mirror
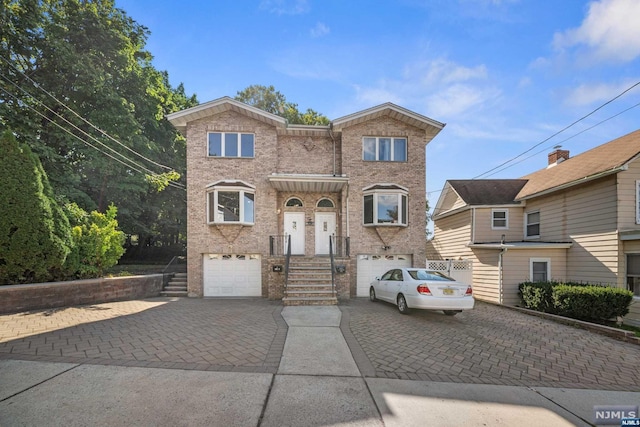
point(377, 278)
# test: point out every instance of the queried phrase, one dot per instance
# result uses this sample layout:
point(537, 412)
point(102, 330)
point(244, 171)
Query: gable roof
point(180, 119)
point(394, 111)
point(477, 192)
point(600, 161)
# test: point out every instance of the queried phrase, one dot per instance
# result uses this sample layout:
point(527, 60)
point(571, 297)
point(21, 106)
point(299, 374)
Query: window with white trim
point(385, 149)
point(532, 224)
point(633, 274)
point(539, 269)
point(499, 219)
point(638, 202)
point(230, 144)
point(385, 205)
point(231, 202)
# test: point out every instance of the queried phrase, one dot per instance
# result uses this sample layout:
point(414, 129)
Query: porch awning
point(521, 245)
point(308, 183)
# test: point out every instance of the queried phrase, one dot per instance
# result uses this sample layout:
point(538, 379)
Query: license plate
point(447, 291)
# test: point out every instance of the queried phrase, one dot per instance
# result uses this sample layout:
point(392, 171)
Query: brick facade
point(303, 153)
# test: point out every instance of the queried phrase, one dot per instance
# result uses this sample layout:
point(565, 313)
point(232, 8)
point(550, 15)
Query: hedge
point(576, 300)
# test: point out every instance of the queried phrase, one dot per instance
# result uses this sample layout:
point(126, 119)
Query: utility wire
point(81, 130)
point(560, 131)
point(37, 85)
point(565, 140)
point(172, 184)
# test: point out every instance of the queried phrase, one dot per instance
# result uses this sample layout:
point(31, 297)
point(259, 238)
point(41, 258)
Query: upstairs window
point(499, 219)
point(384, 149)
point(230, 202)
point(226, 144)
point(532, 225)
point(385, 205)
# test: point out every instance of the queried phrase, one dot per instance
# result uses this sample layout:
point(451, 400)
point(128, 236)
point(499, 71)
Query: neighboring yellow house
point(576, 220)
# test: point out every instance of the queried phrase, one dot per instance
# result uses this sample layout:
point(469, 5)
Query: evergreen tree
point(35, 236)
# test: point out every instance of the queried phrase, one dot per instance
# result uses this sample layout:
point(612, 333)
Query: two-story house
point(576, 220)
point(256, 184)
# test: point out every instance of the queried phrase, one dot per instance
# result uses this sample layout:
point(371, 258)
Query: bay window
point(230, 202)
point(385, 205)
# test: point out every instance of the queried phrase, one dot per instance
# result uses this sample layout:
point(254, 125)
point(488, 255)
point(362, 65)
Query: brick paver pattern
point(491, 345)
point(234, 335)
point(488, 345)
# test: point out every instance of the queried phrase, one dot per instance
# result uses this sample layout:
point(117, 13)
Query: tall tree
point(62, 61)
point(267, 98)
point(35, 236)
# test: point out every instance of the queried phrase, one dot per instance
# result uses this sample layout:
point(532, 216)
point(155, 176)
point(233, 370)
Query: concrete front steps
point(177, 286)
point(309, 282)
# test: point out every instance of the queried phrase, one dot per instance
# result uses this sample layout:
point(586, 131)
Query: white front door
point(325, 228)
point(294, 228)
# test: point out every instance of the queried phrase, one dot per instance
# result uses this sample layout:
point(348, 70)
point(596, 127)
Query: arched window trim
point(286, 203)
point(333, 205)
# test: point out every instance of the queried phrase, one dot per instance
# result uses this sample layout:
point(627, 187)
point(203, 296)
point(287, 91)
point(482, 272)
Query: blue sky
point(503, 74)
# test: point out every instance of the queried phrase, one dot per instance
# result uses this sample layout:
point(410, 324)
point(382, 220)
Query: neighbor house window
point(230, 202)
point(633, 274)
point(539, 269)
point(384, 149)
point(638, 202)
point(532, 226)
point(385, 205)
point(499, 219)
point(226, 144)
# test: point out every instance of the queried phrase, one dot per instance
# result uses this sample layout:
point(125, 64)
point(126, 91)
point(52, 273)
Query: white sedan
point(424, 289)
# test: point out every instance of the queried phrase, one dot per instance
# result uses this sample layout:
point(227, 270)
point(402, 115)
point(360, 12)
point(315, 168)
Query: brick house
point(254, 183)
point(578, 220)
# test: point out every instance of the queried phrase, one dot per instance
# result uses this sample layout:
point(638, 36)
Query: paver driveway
point(488, 345)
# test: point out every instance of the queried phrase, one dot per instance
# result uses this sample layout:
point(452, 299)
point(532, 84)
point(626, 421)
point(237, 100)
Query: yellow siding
point(586, 215)
point(452, 235)
point(484, 233)
point(627, 197)
point(516, 269)
point(450, 201)
point(485, 275)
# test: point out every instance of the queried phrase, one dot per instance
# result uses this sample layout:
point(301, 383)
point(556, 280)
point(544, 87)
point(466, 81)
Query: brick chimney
point(558, 156)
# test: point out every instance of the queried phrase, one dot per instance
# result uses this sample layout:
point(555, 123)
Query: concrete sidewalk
point(317, 383)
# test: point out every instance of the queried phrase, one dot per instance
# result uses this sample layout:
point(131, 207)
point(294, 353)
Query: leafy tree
point(274, 102)
point(35, 235)
point(98, 243)
point(90, 56)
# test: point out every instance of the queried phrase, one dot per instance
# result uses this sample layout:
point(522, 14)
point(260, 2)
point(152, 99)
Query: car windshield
point(429, 275)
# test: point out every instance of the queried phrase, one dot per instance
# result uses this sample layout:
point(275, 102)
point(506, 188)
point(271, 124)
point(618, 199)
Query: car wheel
point(451, 312)
point(372, 295)
point(402, 305)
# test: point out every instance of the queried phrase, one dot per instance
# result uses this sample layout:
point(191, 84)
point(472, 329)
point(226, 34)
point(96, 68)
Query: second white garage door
point(372, 266)
point(238, 275)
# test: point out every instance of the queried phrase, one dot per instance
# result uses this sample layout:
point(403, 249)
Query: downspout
point(473, 225)
point(334, 147)
point(500, 266)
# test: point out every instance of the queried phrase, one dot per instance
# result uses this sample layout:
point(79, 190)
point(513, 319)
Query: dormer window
point(499, 219)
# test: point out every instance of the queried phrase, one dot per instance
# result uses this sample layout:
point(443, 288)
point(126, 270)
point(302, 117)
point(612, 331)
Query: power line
point(560, 131)
point(172, 184)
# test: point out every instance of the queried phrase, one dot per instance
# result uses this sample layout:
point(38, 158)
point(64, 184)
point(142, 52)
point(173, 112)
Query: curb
point(619, 334)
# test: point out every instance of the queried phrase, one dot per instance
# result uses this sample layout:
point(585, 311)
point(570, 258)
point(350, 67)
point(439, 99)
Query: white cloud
point(611, 30)
point(320, 30)
point(286, 7)
point(443, 71)
point(586, 94)
point(459, 98)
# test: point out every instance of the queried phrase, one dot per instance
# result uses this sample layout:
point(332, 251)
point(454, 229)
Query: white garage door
point(372, 266)
point(232, 275)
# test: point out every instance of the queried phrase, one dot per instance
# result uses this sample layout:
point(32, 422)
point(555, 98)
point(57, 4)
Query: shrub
point(98, 244)
point(576, 300)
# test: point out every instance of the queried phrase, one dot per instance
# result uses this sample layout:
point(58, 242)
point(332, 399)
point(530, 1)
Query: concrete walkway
point(319, 381)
